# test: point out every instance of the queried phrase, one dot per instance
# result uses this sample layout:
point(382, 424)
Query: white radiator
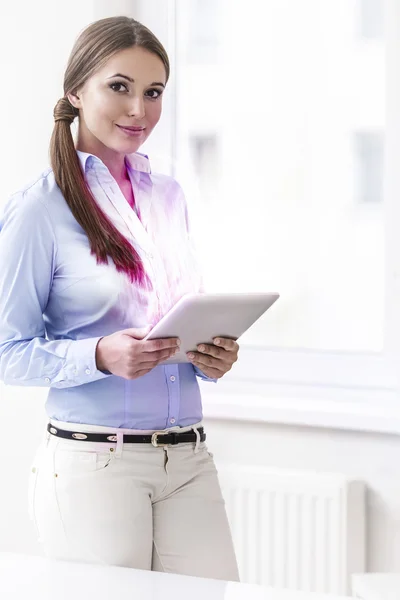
point(298, 530)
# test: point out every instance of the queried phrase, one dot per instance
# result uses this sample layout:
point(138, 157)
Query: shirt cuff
point(202, 375)
point(81, 361)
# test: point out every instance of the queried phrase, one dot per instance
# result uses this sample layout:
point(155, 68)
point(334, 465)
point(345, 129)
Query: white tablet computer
point(198, 318)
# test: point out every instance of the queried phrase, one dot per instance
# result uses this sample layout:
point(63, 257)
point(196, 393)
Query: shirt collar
point(136, 161)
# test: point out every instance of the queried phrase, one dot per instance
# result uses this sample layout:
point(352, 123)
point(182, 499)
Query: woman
point(98, 250)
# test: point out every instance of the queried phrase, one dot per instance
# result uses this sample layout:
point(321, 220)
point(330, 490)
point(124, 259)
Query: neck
point(114, 161)
point(118, 171)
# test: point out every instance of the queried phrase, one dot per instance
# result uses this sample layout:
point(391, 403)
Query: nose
point(136, 108)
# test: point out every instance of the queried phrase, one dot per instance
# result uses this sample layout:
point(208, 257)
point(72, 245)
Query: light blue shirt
point(57, 302)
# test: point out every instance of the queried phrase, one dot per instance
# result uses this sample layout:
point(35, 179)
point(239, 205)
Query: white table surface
point(24, 577)
point(377, 586)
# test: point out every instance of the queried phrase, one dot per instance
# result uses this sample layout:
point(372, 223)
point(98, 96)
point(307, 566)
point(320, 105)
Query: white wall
point(22, 423)
point(35, 40)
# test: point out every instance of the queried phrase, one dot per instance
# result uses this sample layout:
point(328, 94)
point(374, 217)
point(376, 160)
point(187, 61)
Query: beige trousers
point(131, 505)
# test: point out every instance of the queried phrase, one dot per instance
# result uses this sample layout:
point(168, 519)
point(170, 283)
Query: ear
point(74, 100)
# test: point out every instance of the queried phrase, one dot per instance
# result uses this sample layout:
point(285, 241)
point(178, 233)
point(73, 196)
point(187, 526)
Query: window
point(299, 115)
point(283, 100)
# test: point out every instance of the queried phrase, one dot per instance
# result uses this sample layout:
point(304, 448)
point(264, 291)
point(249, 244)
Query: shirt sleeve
point(203, 376)
point(27, 262)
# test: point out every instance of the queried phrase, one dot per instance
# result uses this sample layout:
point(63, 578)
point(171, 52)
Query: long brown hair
point(95, 45)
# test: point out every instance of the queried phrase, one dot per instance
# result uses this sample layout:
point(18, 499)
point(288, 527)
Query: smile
point(132, 131)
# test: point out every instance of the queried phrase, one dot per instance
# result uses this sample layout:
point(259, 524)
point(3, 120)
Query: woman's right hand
point(126, 354)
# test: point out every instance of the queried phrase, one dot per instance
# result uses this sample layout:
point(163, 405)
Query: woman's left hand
point(215, 359)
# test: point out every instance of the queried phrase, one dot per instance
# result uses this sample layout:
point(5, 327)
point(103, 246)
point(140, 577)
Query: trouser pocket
point(77, 458)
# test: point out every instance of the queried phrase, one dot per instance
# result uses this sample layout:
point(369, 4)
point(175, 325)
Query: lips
point(130, 128)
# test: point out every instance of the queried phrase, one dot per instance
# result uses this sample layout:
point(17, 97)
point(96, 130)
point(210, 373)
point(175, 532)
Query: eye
point(158, 93)
point(117, 84)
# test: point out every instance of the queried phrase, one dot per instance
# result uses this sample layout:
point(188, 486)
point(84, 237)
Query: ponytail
point(104, 238)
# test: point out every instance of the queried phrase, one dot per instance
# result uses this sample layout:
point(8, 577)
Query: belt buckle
point(154, 440)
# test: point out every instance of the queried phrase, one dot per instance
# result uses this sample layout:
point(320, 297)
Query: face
point(120, 104)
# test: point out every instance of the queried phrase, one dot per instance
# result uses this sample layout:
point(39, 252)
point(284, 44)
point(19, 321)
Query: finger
point(226, 343)
point(138, 333)
point(156, 357)
point(161, 344)
point(214, 351)
point(204, 360)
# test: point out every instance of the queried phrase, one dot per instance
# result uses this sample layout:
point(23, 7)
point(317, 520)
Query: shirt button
point(172, 421)
point(172, 378)
point(47, 379)
point(87, 371)
point(151, 256)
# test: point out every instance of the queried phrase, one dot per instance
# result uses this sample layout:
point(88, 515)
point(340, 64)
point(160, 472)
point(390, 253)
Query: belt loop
point(120, 441)
point(196, 448)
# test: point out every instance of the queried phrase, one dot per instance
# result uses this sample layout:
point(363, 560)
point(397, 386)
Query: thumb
point(137, 332)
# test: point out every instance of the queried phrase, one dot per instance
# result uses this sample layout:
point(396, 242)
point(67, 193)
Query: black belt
point(172, 438)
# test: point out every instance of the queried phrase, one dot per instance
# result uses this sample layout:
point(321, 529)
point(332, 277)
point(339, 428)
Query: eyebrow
point(133, 81)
